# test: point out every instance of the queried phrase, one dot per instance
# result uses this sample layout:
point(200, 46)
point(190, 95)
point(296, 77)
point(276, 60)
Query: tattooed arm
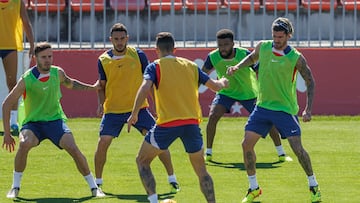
point(305, 72)
point(75, 84)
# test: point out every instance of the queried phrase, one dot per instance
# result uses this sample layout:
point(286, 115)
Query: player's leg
point(275, 136)
point(220, 105)
point(100, 156)
point(10, 68)
point(205, 180)
point(193, 143)
point(27, 140)
point(146, 154)
point(249, 105)
point(110, 127)
point(144, 124)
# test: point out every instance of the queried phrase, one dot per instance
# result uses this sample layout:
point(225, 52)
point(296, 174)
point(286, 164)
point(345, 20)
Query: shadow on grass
point(241, 166)
point(138, 198)
point(52, 200)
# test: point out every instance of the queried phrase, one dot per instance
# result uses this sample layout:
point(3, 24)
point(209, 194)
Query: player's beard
point(44, 68)
point(120, 50)
point(226, 55)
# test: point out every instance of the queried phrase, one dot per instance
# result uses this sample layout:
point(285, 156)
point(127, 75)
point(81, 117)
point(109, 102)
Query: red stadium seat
point(350, 5)
point(202, 5)
point(50, 5)
point(85, 5)
point(325, 5)
point(131, 5)
point(243, 4)
point(283, 5)
point(165, 5)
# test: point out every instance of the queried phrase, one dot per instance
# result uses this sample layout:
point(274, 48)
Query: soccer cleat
point(208, 157)
point(174, 187)
point(315, 194)
point(97, 192)
point(285, 158)
point(14, 129)
point(13, 193)
point(251, 195)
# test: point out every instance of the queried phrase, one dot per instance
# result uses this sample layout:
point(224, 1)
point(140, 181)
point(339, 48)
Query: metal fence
point(86, 23)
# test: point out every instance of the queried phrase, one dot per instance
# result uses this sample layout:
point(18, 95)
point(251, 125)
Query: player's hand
point(100, 110)
point(225, 82)
point(8, 142)
point(131, 121)
point(231, 70)
point(306, 116)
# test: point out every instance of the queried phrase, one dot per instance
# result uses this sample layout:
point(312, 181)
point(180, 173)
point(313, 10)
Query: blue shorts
point(261, 120)
point(4, 53)
point(112, 123)
point(52, 130)
point(162, 137)
point(227, 102)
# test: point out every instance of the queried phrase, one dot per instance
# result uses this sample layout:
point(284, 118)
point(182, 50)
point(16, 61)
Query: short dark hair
point(224, 34)
point(41, 46)
point(165, 41)
point(283, 24)
point(118, 27)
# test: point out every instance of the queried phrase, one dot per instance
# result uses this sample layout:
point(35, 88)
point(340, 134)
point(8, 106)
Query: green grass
point(332, 142)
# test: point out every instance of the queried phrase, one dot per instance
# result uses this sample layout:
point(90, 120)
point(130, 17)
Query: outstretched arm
point(27, 28)
point(305, 72)
point(142, 93)
point(249, 60)
point(76, 84)
point(11, 99)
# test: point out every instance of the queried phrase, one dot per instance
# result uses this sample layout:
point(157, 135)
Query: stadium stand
point(351, 5)
point(202, 5)
point(85, 5)
point(165, 5)
point(50, 5)
point(243, 4)
point(282, 5)
point(323, 5)
point(131, 5)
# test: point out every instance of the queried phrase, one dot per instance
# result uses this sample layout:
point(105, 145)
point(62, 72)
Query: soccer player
point(120, 73)
point(13, 22)
point(44, 117)
point(175, 83)
point(277, 102)
point(243, 88)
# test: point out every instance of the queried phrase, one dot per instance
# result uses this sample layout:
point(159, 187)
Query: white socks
point(209, 151)
point(17, 179)
point(253, 184)
point(172, 178)
point(99, 181)
point(90, 180)
point(153, 198)
point(280, 150)
point(312, 181)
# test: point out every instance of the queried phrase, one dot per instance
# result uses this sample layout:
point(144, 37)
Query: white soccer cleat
point(97, 192)
point(13, 193)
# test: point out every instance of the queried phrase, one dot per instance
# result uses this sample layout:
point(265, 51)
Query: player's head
point(225, 43)
point(165, 43)
point(119, 37)
point(44, 56)
point(282, 31)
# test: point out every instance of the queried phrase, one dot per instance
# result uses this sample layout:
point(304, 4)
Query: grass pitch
point(332, 142)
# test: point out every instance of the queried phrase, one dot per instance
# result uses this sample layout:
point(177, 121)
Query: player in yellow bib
point(13, 22)
point(175, 83)
point(120, 73)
